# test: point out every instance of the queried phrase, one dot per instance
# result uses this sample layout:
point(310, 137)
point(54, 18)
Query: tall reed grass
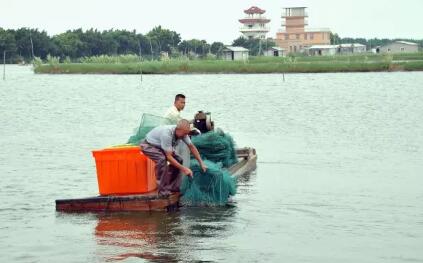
point(105, 59)
point(131, 64)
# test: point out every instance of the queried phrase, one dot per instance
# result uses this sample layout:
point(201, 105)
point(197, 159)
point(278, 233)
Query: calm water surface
point(339, 177)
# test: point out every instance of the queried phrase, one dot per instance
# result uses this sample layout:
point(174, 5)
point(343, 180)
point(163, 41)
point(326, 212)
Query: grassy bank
point(357, 63)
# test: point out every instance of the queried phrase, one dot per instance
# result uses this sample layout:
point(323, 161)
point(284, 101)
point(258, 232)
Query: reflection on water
point(141, 234)
point(158, 236)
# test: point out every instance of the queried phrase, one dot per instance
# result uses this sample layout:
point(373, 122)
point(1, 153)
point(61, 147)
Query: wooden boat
point(148, 201)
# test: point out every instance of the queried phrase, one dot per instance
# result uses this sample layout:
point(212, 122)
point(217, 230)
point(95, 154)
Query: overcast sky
point(214, 20)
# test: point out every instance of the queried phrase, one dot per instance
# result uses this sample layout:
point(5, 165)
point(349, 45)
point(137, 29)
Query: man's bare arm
point(174, 162)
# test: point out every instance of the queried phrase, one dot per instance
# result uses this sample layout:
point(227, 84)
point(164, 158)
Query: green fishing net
point(148, 122)
point(207, 189)
point(218, 147)
point(213, 187)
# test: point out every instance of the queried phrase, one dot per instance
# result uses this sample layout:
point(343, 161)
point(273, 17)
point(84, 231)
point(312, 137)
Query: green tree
point(194, 46)
point(127, 42)
point(41, 42)
point(203, 49)
point(254, 45)
point(143, 45)
point(164, 39)
point(69, 44)
point(240, 42)
point(33, 43)
point(93, 43)
point(216, 48)
point(23, 42)
point(334, 39)
point(109, 45)
point(7, 41)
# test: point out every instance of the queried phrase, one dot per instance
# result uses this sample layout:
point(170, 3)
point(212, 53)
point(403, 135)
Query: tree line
point(369, 43)
point(24, 44)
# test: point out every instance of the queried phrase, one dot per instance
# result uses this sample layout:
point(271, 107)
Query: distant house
point(274, 52)
point(399, 47)
point(164, 55)
point(376, 49)
point(351, 48)
point(234, 53)
point(321, 50)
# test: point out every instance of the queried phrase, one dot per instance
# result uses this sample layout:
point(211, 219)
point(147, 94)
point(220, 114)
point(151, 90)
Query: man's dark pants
point(168, 177)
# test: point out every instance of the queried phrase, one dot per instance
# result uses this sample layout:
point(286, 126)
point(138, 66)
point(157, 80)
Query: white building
point(351, 48)
point(399, 47)
point(254, 23)
point(321, 50)
point(235, 53)
point(274, 52)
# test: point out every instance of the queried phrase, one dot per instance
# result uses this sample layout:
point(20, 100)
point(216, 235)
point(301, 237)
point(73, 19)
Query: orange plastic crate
point(124, 170)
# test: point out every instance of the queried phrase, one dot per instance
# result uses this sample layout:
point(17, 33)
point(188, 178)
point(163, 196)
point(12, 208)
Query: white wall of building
point(238, 55)
point(397, 47)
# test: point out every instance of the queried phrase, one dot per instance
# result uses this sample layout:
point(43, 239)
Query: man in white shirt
point(174, 115)
point(174, 112)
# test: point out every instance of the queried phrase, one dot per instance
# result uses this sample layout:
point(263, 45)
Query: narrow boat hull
point(144, 202)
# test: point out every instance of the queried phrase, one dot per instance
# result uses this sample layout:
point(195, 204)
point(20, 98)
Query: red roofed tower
point(254, 23)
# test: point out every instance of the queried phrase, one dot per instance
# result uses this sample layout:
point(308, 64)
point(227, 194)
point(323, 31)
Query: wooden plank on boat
point(142, 202)
point(148, 201)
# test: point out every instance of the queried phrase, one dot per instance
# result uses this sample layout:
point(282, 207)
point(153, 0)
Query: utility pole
point(139, 45)
point(4, 65)
point(32, 44)
point(151, 48)
point(173, 42)
point(259, 52)
point(160, 46)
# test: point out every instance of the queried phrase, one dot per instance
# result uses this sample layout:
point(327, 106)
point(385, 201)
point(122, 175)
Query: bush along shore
point(131, 64)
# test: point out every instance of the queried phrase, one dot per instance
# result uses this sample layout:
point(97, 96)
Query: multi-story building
point(295, 36)
point(254, 23)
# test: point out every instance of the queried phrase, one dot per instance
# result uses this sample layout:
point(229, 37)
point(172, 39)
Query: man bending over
point(159, 145)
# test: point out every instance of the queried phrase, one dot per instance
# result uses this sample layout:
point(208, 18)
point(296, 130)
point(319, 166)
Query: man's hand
point(203, 167)
point(197, 156)
point(186, 171)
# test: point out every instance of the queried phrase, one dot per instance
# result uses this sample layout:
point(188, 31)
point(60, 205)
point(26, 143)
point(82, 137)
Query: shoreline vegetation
point(131, 64)
point(163, 51)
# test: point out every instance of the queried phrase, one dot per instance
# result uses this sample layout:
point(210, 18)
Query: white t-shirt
point(173, 114)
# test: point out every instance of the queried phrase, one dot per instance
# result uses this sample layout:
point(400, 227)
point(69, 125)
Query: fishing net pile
point(210, 188)
point(217, 149)
point(216, 185)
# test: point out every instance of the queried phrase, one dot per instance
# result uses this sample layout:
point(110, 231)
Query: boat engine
point(203, 122)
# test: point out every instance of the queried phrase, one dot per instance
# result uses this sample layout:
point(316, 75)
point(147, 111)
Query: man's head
point(182, 128)
point(179, 102)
